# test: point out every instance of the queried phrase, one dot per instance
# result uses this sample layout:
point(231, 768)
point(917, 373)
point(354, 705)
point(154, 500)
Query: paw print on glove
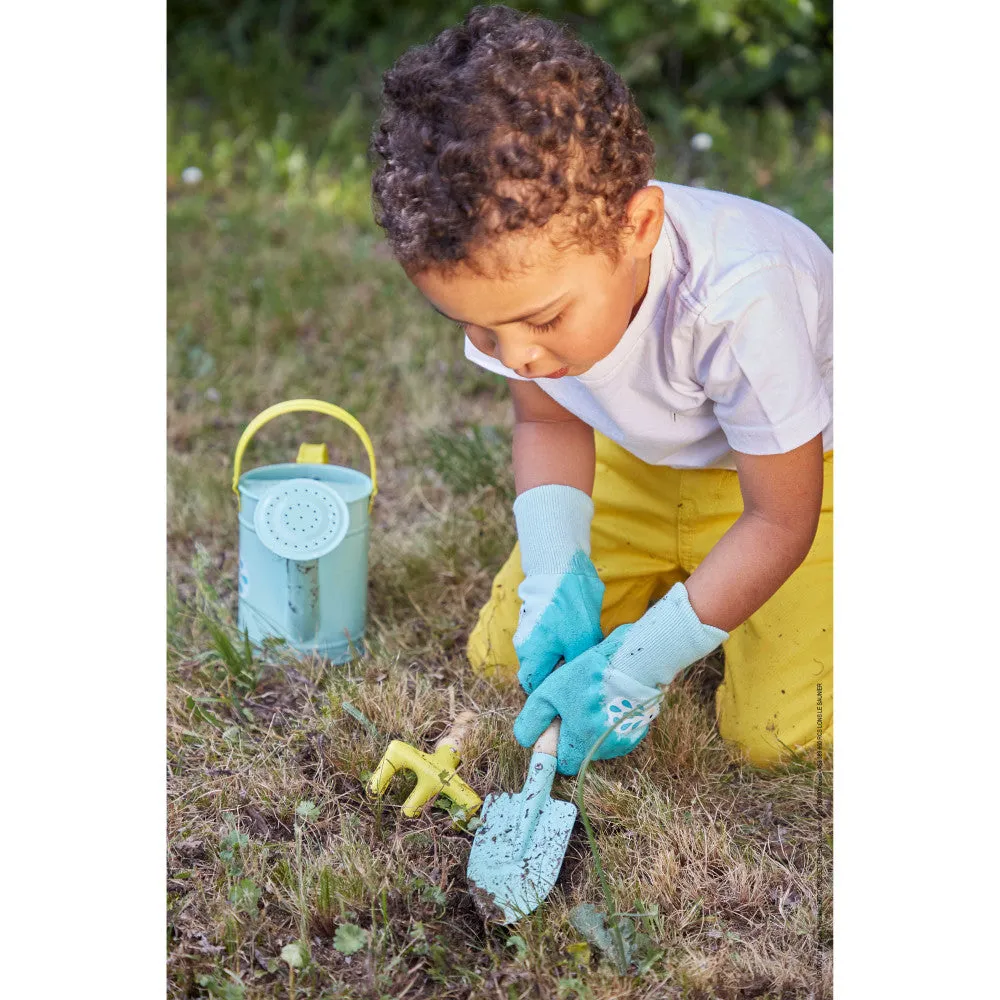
point(634, 727)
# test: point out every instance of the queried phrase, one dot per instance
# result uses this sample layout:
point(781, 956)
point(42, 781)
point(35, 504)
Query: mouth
point(556, 374)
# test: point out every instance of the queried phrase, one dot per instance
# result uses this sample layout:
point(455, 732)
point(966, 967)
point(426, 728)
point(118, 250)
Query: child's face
point(561, 311)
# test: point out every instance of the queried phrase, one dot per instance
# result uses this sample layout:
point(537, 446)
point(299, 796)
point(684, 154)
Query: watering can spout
point(301, 521)
point(303, 599)
point(303, 577)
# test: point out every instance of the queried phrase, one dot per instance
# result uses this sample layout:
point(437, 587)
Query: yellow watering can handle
point(301, 406)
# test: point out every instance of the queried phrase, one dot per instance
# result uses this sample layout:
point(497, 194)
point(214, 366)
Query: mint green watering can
point(304, 530)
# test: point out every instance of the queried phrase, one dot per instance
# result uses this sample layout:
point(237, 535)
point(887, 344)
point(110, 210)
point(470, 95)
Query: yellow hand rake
point(435, 771)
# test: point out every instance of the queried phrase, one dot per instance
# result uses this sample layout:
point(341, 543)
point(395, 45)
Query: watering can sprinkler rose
point(304, 528)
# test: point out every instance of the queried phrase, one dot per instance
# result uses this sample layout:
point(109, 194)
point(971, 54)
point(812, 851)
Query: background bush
point(270, 97)
point(673, 53)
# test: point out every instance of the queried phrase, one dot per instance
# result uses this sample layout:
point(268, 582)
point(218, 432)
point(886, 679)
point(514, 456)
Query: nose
point(519, 357)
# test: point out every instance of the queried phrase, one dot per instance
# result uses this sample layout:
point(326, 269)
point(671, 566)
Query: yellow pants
point(652, 527)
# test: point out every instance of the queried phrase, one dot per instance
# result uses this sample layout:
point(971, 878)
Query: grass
point(284, 879)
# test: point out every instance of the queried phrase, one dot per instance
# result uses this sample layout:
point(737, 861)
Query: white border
point(83, 387)
point(916, 554)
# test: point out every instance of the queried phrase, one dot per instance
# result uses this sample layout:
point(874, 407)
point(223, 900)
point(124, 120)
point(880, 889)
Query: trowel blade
point(512, 868)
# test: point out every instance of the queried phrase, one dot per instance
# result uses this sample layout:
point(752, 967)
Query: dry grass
point(728, 864)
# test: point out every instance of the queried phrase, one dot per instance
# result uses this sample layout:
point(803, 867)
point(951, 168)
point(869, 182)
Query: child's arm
point(782, 495)
point(551, 445)
point(561, 593)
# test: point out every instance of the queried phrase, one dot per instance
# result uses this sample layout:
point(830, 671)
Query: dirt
point(486, 904)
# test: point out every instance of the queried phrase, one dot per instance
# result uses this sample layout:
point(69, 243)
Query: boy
point(668, 351)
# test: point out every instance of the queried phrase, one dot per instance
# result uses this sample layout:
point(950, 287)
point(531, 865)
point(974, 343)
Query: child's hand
point(560, 618)
point(618, 675)
point(561, 591)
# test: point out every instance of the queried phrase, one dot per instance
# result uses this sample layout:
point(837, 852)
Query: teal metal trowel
point(519, 846)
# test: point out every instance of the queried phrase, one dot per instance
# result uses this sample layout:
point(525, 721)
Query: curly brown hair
point(497, 126)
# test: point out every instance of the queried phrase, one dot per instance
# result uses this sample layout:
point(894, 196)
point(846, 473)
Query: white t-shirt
point(731, 349)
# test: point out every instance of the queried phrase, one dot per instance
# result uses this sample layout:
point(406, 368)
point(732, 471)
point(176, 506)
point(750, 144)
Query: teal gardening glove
point(561, 592)
point(618, 675)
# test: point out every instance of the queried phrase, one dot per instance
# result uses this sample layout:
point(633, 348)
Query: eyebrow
point(516, 319)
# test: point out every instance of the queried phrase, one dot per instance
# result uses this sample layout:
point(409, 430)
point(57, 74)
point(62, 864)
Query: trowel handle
point(457, 732)
point(548, 742)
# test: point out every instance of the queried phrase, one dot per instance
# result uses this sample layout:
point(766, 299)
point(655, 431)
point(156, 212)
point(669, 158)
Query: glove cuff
point(553, 524)
point(666, 639)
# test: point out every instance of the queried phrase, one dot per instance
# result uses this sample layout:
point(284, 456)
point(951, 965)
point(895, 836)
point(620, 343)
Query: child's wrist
point(667, 638)
point(553, 524)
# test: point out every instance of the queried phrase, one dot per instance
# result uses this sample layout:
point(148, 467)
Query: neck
point(641, 284)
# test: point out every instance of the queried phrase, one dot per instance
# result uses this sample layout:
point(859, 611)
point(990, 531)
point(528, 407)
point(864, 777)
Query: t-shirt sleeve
point(490, 364)
point(760, 368)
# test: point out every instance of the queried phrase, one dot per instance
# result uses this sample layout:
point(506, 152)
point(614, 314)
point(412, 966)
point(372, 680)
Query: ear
point(645, 216)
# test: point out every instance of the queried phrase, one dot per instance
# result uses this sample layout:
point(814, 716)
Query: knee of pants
point(776, 700)
point(776, 697)
point(490, 649)
point(778, 732)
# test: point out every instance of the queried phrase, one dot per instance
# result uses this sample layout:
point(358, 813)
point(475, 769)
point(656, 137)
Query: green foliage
point(592, 925)
point(220, 989)
point(435, 951)
point(350, 938)
point(519, 945)
point(245, 895)
point(277, 100)
point(429, 892)
point(307, 811)
point(673, 53)
point(232, 663)
point(571, 988)
point(325, 896)
point(280, 97)
point(714, 52)
point(295, 954)
point(231, 847)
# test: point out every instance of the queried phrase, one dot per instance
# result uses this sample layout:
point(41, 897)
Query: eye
point(486, 344)
point(551, 325)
